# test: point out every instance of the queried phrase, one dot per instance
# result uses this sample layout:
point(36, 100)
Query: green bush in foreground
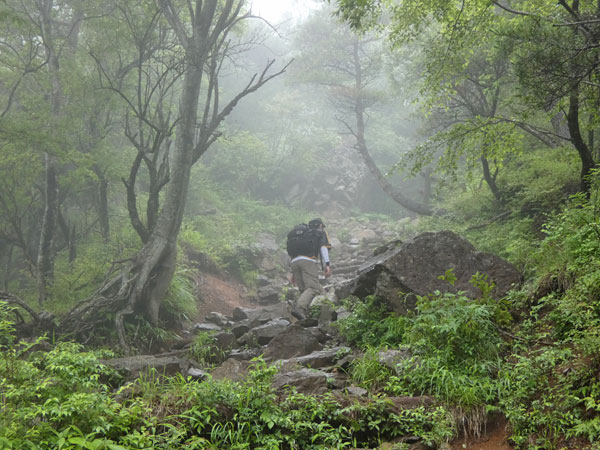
point(67, 399)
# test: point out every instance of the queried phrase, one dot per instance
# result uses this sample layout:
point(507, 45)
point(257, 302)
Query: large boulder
point(292, 342)
point(132, 366)
point(402, 270)
point(254, 317)
point(306, 381)
point(263, 334)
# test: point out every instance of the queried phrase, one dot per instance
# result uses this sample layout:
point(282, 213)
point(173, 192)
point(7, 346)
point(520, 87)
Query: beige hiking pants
point(306, 275)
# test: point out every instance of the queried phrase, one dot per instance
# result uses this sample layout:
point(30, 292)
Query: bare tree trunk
point(45, 259)
point(585, 155)
point(361, 146)
point(102, 204)
point(490, 179)
point(7, 265)
point(143, 282)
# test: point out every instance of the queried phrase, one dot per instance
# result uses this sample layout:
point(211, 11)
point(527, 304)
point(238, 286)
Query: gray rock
point(240, 328)
point(205, 326)
point(260, 316)
point(196, 374)
point(268, 295)
point(294, 341)
point(323, 358)
point(263, 280)
point(414, 267)
point(245, 354)
point(218, 319)
point(225, 340)
point(132, 366)
point(232, 369)
point(263, 334)
point(306, 381)
point(357, 391)
point(391, 358)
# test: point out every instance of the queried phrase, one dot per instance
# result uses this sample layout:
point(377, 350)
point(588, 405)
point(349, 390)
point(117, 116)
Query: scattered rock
point(292, 342)
point(132, 366)
point(267, 295)
point(306, 381)
point(232, 369)
point(207, 326)
point(196, 374)
point(218, 319)
point(263, 334)
point(323, 358)
point(357, 391)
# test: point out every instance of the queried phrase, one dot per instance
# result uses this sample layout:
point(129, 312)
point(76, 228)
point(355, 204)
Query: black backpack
point(303, 240)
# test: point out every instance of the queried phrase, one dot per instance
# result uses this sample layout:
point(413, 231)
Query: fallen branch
point(12, 299)
point(491, 221)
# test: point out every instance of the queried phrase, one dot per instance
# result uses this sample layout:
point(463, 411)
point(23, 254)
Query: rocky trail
point(310, 355)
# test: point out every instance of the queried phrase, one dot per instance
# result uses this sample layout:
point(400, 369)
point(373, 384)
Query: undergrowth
point(66, 398)
point(531, 356)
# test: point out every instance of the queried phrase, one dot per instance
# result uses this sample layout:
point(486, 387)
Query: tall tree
point(350, 69)
point(46, 36)
point(144, 76)
point(204, 30)
point(555, 49)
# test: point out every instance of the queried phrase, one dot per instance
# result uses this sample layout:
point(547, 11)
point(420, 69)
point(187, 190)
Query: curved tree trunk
point(490, 179)
point(388, 188)
point(143, 282)
point(585, 155)
point(362, 148)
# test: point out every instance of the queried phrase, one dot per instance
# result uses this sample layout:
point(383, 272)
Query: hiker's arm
point(325, 259)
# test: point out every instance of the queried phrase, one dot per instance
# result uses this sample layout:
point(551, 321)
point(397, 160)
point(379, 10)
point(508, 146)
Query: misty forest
point(155, 154)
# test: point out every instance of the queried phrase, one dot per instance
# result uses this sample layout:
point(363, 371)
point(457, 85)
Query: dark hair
point(314, 223)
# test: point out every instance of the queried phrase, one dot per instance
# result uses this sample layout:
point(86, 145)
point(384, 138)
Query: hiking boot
point(297, 313)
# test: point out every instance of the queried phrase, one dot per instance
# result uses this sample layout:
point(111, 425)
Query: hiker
point(305, 244)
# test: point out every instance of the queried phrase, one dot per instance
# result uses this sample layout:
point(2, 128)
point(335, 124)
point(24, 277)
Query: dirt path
point(223, 296)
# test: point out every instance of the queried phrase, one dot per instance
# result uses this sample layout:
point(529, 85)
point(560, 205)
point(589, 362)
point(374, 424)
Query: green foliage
point(6, 325)
point(547, 398)
point(371, 324)
point(180, 302)
point(78, 279)
point(368, 372)
point(548, 385)
point(65, 399)
point(49, 398)
point(205, 350)
point(456, 347)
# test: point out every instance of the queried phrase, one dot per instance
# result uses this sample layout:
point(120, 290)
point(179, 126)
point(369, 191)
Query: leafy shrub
point(204, 349)
point(371, 324)
point(368, 372)
point(180, 302)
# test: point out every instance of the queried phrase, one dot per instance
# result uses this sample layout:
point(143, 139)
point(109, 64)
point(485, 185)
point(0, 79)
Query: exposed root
point(472, 422)
point(112, 299)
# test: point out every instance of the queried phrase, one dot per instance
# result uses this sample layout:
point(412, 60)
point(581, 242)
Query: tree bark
point(7, 264)
point(363, 150)
point(585, 155)
point(102, 204)
point(45, 259)
point(490, 179)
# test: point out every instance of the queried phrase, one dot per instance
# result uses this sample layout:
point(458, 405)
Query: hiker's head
point(316, 223)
